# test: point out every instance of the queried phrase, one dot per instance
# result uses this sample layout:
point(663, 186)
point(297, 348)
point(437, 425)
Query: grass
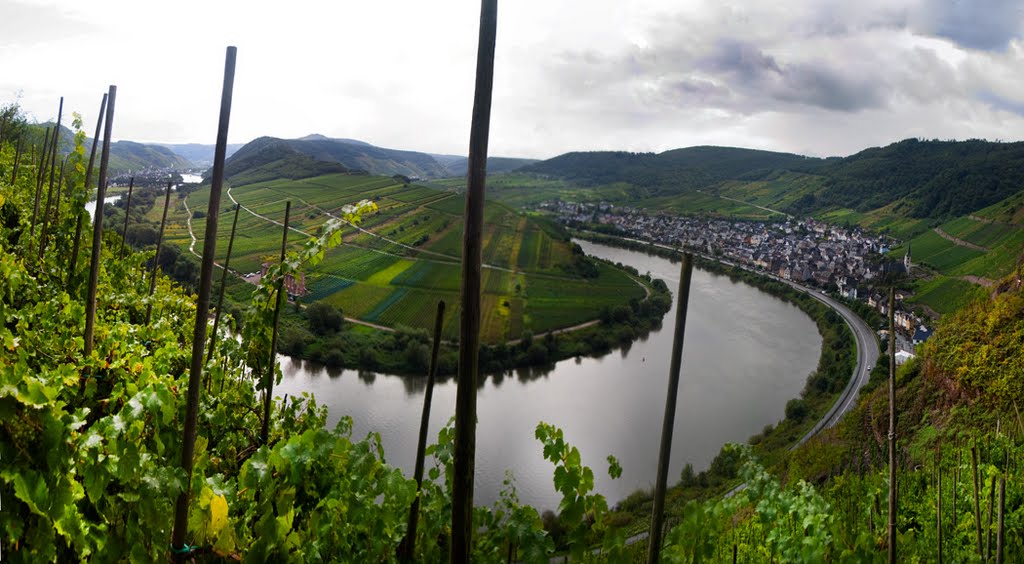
point(944, 294)
point(395, 273)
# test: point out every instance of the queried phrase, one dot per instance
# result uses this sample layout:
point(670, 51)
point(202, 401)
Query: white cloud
point(804, 76)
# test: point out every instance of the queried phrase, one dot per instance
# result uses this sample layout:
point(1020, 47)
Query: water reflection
point(746, 354)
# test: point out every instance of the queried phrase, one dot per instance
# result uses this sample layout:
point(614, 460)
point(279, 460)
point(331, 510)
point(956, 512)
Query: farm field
point(1003, 244)
point(945, 294)
point(406, 256)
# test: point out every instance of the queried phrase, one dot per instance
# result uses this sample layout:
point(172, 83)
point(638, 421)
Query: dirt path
point(959, 242)
point(977, 280)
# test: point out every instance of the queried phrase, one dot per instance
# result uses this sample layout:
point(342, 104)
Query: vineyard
point(407, 259)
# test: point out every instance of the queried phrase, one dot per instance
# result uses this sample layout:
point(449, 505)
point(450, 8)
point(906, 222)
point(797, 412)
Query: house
point(921, 335)
point(295, 288)
point(903, 356)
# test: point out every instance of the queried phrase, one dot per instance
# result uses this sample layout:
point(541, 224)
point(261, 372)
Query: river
point(746, 354)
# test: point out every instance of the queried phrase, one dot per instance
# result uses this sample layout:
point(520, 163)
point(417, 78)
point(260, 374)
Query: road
point(867, 354)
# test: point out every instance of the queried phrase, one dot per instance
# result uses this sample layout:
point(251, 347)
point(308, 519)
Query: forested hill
point(933, 179)
point(926, 180)
point(675, 170)
point(125, 156)
point(355, 155)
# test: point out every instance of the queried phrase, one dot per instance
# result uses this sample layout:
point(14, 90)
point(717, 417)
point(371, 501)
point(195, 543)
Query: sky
point(815, 77)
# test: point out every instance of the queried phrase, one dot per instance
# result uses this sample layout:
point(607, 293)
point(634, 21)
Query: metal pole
point(49, 192)
point(223, 281)
point(469, 331)
point(892, 424)
point(668, 423)
point(127, 210)
point(202, 308)
point(408, 545)
point(88, 177)
point(97, 227)
point(268, 389)
point(156, 257)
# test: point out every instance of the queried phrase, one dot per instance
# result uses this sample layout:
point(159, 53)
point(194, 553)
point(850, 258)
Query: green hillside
point(406, 256)
point(668, 172)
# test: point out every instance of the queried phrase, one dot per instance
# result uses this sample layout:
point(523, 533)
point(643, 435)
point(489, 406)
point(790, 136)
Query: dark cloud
point(988, 25)
point(1001, 103)
point(747, 69)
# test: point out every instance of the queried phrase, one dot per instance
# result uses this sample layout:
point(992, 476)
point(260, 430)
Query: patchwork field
point(406, 256)
point(1000, 245)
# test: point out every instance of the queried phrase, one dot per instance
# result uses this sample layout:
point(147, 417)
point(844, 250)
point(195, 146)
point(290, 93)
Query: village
point(806, 251)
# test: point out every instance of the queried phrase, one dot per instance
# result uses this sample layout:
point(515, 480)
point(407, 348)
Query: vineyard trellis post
point(17, 160)
point(892, 425)
point(97, 227)
point(223, 281)
point(1002, 506)
point(268, 389)
point(938, 502)
point(408, 545)
point(977, 503)
point(127, 210)
point(40, 175)
point(668, 423)
point(178, 546)
point(88, 177)
point(60, 186)
point(156, 257)
point(469, 328)
point(49, 193)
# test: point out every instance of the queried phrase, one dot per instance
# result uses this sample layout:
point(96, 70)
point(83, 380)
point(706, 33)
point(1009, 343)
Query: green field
point(407, 257)
point(944, 294)
point(1003, 246)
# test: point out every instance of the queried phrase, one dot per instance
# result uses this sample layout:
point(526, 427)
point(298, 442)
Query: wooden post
point(988, 527)
point(88, 177)
point(408, 544)
point(1002, 507)
point(40, 174)
point(223, 281)
point(202, 308)
point(60, 188)
point(127, 210)
point(49, 192)
point(892, 425)
point(156, 257)
point(268, 385)
point(956, 480)
point(17, 160)
point(977, 504)
point(668, 423)
point(97, 227)
point(469, 327)
point(938, 504)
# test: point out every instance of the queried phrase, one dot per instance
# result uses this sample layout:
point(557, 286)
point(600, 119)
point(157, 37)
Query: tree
point(324, 319)
point(687, 477)
point(796, 409)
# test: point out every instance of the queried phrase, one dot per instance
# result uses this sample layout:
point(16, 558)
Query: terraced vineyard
point(405, 257)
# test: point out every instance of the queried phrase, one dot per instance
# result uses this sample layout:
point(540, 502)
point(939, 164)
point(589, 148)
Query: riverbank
point(405, 351)
point(829, 391)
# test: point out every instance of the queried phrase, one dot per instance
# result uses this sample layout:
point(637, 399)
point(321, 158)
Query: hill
point(356, 155)
point(669, 172)
point(922, 182)
point(405, 256)
point(125, 156)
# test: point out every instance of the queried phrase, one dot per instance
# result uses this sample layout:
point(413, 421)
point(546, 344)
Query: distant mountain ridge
point(127, 156)
point(924, 180)
point(678, 169)
point(353, 155)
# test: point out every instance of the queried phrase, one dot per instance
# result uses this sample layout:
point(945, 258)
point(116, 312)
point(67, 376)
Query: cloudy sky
point(818, 77)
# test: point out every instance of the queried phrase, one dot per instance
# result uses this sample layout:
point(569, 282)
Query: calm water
point(745, 355)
